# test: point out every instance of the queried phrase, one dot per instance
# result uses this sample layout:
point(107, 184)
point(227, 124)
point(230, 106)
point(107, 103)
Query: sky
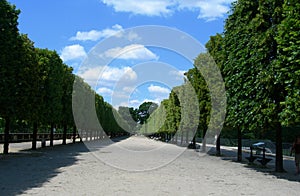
point(111, 44)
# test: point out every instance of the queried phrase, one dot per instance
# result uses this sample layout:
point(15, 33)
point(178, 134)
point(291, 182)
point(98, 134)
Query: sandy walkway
point(74, 170)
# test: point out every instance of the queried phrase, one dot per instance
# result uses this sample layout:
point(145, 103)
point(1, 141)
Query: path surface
point(74, 170)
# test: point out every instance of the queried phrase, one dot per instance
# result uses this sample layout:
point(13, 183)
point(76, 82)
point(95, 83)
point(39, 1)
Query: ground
point(118, 168)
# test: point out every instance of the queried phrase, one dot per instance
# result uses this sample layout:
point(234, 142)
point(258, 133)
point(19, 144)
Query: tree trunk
point(74, 134)
point(203, 147)
point(194, 142)
point(51, 134)
point(181, 139)
point(187, 141)
point(34, 136)
point(218, 146)
point(239, 152)
point(279, 157)
point(65, 135)
point(6, 135)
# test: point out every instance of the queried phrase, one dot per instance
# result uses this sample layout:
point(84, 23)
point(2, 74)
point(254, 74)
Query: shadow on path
point(29, 169)
point(288, 164)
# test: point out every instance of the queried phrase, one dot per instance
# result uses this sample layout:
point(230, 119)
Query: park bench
point(262, 159)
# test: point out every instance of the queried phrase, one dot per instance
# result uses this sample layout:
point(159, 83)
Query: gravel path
point(135, 166)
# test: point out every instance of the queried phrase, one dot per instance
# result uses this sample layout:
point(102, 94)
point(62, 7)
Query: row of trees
point(36, 86)
point(259, 57)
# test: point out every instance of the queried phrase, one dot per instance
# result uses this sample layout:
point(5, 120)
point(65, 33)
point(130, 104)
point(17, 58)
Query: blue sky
point(74, 27)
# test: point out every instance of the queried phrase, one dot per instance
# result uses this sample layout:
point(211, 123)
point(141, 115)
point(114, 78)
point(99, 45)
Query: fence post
point(34, 136)
point(74, 134)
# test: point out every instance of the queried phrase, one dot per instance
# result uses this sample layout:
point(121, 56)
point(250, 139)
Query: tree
point(215, 49)
point(52, 72)
point(144, 111)
point(172, 115)
point(288, 61)
point(200, 85)
point(129, 115)
point(189, 107)
point(67, 115)
point(9, 42)
point(250, 75)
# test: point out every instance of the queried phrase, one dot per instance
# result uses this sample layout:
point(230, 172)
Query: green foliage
point(144, 111)
point(51, 86)
point(287, 65)
point(129, 115)
point(9, 63)
point(249, 72)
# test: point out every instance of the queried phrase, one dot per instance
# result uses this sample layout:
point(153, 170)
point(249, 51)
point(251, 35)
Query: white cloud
point(91, 75)
point(133, 51)
point(135, 103)
point(95, 35)
point(158, 89)
point(115, 74)
point(208, 9)
point(105, 76)
point(178, 75)
point(129, 89)
point(142, 7)
point(73, 52)
point(104, 91)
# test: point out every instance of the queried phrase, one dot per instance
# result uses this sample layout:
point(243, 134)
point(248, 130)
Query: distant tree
point(189, 110)
point(129, 115)
point(52, 72)
point(198, 82)
point(215, 49)
point(144, 111)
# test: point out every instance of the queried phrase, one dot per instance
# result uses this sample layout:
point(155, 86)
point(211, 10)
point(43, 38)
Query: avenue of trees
point(36, 86)
point(258, 54)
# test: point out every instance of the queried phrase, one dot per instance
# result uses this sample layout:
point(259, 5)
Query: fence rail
point(27, 137)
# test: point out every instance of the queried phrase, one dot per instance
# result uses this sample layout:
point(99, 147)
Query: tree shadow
point(269, 169)
point(30, 169)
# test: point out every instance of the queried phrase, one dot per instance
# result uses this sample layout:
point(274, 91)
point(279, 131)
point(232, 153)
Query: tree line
point(258, 54)
point(36, 86)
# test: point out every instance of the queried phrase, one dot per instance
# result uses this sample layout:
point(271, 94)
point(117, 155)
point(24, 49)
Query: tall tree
point(129, 115)
point(9, 38)
point(198, 82)
point(52, 72)
point(67, 86)
point(189, 112)
point(289, 60)
point(215, 49)
point(251, 50)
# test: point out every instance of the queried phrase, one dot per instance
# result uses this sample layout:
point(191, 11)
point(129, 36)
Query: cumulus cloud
point(141, 7)
point(91, 75)
point(105, 76)
point(104, 91)
point(135, 103)
point(133, 51)
point(95, 35)
point(115, 74)
point(158, 89)
point(208, 9)
point(178, 75)
point(73, 52)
